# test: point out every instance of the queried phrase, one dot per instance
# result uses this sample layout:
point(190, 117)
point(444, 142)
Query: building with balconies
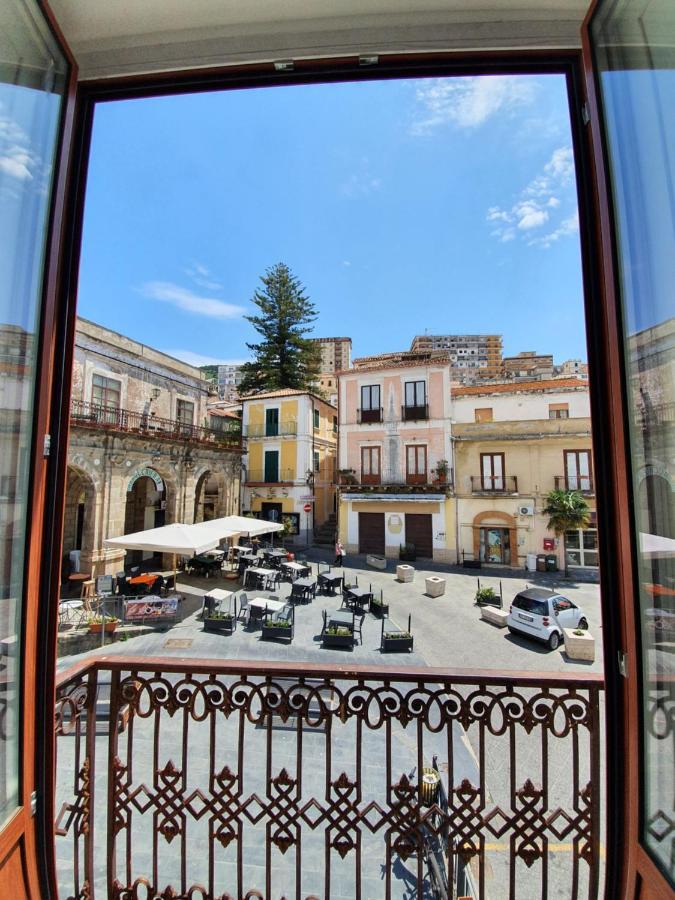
point(393, 457)
point(513, 444)
point(143, 450)
point(473, 357)
point(291, 444)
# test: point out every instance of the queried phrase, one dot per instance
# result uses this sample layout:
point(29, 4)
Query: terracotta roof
point(223, 413)
point(516, 387)
point(284, 392)
point(405, 359)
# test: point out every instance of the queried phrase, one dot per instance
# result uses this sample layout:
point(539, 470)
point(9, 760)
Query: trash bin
point(541, 562)
point(551, 562)
point(531, 562)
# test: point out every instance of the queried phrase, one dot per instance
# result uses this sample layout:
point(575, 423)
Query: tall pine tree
point(285, 358)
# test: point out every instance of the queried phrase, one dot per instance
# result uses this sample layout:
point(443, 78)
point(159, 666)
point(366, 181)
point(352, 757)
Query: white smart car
point(543, 614)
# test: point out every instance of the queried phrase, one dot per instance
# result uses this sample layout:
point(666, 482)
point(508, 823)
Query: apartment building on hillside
point(393, 455)
point(291, 441)
point(528, 365)
point(336, 353)
point(472, 356)
point(513, 444)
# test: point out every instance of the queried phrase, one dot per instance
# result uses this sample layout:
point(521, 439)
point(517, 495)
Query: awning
point(229, 526)
point(656, 545)
point(184, 540)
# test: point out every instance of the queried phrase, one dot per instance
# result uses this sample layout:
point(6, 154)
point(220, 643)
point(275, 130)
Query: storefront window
point(582, 547)
point(32, 80)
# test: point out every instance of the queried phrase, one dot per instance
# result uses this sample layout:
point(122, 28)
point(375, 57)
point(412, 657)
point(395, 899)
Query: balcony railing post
point(113, 767)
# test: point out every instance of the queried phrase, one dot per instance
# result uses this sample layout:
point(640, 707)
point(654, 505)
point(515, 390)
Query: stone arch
point(499, 519)
point(210, 495)
point(81, 528)
point(170, 486)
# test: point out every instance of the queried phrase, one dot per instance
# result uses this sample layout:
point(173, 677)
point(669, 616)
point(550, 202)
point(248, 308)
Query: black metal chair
point(273, 581)
point(256, 615)
point(244, 610)
point(358, 623)
point(297, 593)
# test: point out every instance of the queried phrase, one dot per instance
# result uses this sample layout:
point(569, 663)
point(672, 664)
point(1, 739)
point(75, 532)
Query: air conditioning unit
point(526, 510)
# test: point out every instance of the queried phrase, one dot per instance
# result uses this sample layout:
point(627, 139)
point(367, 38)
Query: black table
point(358, 597)
point(306, 585)
point(330, 581)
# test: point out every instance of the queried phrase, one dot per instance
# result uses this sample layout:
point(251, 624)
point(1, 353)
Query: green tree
point(285, 358)
point(567, 511)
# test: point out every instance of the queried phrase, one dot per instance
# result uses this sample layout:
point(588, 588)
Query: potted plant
point(442, 469)
point(407, 552)
point(97, 624)
point(487, 596)
point(347, 476)
point(282, 629)
point(378, 607)
point(337, 636)
point(397, 642)
point(222, 622)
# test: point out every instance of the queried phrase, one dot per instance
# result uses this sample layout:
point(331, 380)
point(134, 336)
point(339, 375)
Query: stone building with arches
point(143, 449)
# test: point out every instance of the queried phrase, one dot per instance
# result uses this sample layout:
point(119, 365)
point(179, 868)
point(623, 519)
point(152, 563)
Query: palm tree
point(567, 511)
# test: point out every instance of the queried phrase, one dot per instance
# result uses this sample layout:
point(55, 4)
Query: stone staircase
point(324, 535)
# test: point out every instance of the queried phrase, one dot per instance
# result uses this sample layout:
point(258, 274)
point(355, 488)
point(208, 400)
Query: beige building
point(513, 443)
point(143, 450)
point(528, 364)
point(336, 353)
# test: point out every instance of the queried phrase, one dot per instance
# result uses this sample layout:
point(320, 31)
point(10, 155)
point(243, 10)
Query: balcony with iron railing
point(395, 484)
point(281, 429)
point(369, 416)
point(260, 476)
point(494, 484)
point(223, 778)
point(111, 418)
point(581, 483)
point(415, 413)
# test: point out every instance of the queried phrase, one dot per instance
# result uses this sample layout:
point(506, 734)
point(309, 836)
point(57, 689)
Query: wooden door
point(419, 531)
point(629, 75)
point(371, 533)
point(37, 84)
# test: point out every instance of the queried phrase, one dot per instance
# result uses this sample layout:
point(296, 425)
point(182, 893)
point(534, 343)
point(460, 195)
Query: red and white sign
point(307, 507)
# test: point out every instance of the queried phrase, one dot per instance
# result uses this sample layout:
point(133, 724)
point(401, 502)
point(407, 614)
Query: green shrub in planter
point(486, 595)
point(219, 621)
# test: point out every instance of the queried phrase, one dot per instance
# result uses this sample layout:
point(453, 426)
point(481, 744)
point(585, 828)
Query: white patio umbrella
point(183, 540)
point(656, 545)
point(240, 525)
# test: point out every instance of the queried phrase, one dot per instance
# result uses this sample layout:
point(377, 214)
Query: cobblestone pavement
point(448, 632)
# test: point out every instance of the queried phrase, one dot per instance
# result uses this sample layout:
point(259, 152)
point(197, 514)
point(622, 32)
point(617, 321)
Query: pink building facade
point(394, 456)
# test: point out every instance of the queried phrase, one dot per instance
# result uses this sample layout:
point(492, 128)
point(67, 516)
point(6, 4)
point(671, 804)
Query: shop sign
point(145, 473)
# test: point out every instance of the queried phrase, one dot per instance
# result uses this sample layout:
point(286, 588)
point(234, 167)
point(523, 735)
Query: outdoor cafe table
point(295, 569)
point(357, 596)
point(213, 599)
point(214, 554)
point(259, 573)
point(269, 605)
point(148, 578)
point(306, 584)
point(340, 618)
point(331, 581)
point(278, 553)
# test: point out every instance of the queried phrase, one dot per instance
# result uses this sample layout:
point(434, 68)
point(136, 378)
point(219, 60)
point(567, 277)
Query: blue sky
point(446, 205)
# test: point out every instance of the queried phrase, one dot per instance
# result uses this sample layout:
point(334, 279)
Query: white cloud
point(189, 301)
point(16, 159)
point(346, 263)
point(360, 184)
point(538, 203)
point(200, 359)
point(202, 277)
point(469, 102)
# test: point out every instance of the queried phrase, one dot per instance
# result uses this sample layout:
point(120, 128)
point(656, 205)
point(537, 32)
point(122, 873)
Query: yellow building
point(512, 445)
point(291, 441)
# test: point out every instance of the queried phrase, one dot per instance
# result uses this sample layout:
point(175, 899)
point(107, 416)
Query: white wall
point(520, 406)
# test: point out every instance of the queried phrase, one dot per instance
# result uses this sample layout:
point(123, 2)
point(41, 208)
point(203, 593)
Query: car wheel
point(554, 641)
point(583, 624)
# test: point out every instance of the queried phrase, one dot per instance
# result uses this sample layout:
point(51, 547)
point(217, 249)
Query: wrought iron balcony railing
point(393, 484)
point(91, 415)
point(581, 483)
point(282, 429)
point(223, 778)
point(494, 484)
point(259, 476)
point(365, 416)
point(415, 413)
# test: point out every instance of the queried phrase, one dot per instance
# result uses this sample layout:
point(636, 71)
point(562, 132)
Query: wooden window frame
point(628, 863)
point(577, 453)
point(106, 390)
point(492, 477)
point(416, 477)
point(370, 413)
point(374, 475)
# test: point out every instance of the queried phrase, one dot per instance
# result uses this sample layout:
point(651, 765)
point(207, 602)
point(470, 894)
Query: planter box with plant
point(441, 472)
point(278, 631)
point(347, 476)
point(337, 636)
point(407, 553)
point(394, 639)
point(97, 624)
point(378, 607)
point(487, 596)
point(221, 622)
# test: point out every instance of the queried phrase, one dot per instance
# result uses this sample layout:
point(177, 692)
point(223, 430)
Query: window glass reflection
point(635, 46)
point(32, 77)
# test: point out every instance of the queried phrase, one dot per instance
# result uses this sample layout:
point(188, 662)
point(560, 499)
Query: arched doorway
point(495, 538)
point(79, 524)
point(145, 508)
point(209, 497)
